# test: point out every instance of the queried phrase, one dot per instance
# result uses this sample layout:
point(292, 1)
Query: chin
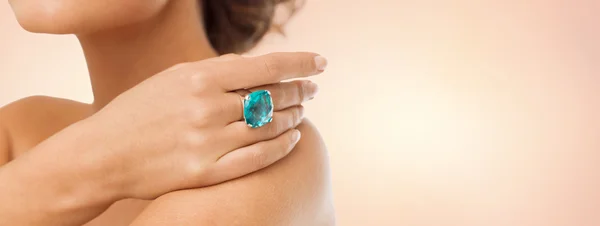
point(78, 17)
point(48, 25)
point(42, 18)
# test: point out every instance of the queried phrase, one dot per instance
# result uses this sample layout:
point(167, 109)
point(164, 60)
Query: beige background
point(451, 112)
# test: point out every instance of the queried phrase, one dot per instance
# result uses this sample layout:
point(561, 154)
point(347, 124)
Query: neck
point(121, 58)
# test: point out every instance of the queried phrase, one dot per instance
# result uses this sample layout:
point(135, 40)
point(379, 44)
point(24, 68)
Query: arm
point(293, 191)
point(176, 130)
point(4, 146)
point(46, 185)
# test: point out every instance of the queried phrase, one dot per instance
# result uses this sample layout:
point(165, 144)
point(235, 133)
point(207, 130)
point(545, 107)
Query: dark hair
point(236, 26)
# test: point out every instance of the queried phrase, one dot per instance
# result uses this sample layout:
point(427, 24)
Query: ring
point(258, 108)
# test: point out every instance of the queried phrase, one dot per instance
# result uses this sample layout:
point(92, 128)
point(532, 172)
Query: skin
point(125, 43)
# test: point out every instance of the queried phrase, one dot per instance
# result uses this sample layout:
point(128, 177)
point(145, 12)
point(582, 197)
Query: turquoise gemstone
point(258, 108)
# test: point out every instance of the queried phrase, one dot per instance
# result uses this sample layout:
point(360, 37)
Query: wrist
point(92, 179)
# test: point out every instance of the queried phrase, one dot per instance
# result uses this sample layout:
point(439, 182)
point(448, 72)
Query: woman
point(167, 122)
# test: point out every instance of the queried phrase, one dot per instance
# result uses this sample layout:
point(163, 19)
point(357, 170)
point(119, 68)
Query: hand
point(183, 128)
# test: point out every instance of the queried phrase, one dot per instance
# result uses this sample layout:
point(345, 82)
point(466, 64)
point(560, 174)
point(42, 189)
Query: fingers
point(254, 157)
point(222, 58)
point(284, 95)
point(287, 94)
point(226, 57)
point(268, 69)
point(239, 134)
point(230, 56)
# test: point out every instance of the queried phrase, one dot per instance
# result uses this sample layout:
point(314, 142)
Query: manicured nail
point(300, 114)
point(311, 89)
point(321, 63)
point(296, 136)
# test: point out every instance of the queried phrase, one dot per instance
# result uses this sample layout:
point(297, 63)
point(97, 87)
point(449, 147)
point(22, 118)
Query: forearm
point(54, 185)
point(293, 191)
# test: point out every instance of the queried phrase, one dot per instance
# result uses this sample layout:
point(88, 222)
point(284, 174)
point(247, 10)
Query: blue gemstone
point(258, 108)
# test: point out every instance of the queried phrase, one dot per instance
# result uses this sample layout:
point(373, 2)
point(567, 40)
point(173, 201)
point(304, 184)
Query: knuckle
point(289, 116)
point(195, 169)
point(242, 128)
point(291, 121)
point(282, 94)
point(272, 129)
point(220, 109)
point(193, 141)
point(194, 80)
point(244, 134)
point(272, 66)
point(301, 90)
point(197, 82)
point(213, 109)
point(198, 115)
point(177, 66)
point(296, 115)
point(231, 55)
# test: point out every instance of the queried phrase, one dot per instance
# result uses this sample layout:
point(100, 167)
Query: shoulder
point(32, 119)
point(40, 108)
point(294, 191)
point(40, 105)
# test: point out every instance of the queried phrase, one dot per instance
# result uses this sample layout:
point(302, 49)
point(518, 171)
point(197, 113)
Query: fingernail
point(311, 89)
point(296, 136)
point(321, 63)
point(300, 114)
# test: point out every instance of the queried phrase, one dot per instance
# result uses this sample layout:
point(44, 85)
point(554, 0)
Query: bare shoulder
point(294, 191)
point(28, 121)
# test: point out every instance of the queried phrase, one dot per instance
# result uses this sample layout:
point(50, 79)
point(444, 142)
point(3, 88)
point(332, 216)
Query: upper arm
point(27, 122)
point(10, 117)
point(293, 191)
point(5, 152)
point(4, 146)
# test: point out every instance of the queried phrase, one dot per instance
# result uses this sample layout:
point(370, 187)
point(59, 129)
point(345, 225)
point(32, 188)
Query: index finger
point(267, 69)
